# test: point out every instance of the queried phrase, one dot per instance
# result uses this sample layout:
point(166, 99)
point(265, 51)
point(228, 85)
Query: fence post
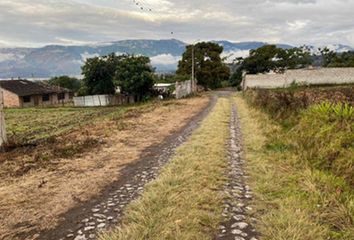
point(3, 138)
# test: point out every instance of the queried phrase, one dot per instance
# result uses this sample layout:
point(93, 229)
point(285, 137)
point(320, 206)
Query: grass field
point(33, 124)
point(185, 202)
point(300, 196)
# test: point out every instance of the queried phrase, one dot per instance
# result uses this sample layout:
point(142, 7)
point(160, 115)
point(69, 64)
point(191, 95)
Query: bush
point(279, 104)
point(318, 126)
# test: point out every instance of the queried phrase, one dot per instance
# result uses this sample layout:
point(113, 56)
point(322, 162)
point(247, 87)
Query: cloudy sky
point(41, 22)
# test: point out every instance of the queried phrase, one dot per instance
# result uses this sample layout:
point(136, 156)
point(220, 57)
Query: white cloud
point(87, 55)
point(297, 24)
point(39, 22)
point(165, 59)
point(232, 55)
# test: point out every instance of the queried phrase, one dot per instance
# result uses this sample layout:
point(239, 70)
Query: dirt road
point(100, 213)
point(58, 189)
point(106, 209)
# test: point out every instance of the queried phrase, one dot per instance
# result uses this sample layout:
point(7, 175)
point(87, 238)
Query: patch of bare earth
point(33, 200)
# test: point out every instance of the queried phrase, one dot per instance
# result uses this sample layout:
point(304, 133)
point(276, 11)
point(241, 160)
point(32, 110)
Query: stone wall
point(319, 76)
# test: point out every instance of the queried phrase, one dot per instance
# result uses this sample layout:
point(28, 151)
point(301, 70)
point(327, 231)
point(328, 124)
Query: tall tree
point(210, 70)
point(333, 59)
point(134, 75)
point(98, 76)
point(270, 58)
point(71, 83)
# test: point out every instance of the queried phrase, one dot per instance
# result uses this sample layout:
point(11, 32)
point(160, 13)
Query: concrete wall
point(184, 89)
point(10, 99)
point(102, 100)
point(318, 76)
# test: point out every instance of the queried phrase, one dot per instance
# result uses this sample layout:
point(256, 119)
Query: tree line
point(134, 75)
point(271, 58)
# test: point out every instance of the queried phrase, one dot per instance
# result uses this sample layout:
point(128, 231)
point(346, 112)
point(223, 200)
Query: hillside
point(54, 60)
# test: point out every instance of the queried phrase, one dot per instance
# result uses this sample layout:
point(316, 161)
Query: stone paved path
point(238, 221)
point(86, 222)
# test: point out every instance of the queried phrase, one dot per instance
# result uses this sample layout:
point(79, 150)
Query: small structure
point(24, 93)
point(186, 88)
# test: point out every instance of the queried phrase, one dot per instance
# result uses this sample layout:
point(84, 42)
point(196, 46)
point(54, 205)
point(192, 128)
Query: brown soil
point(33, 198)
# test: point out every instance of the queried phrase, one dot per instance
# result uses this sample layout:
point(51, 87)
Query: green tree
point(236, 78)
point(67, 82)
point(333, 59)
point(134, 75)
point(270, 58)
point(98, 75)
point(210, 70)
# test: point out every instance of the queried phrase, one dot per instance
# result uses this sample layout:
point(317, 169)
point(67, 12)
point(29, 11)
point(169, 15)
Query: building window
point(61, 96)
point(45, 98)
point(26, 99)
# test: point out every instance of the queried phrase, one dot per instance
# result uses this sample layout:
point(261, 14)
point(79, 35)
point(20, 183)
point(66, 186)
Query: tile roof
point(27, 88)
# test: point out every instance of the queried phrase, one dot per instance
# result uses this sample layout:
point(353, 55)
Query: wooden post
point(3, 138)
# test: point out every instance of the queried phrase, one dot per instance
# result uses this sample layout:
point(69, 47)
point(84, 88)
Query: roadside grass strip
point(185, 201)
point(294, 201)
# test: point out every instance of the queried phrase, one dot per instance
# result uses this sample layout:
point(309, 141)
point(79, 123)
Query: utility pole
point(3, 138)
point(193, 68)
point(193, 83)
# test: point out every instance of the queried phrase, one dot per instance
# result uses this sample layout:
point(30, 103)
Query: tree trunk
point(3, 138)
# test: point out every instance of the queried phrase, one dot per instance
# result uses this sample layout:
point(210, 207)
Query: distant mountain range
point(55, 60)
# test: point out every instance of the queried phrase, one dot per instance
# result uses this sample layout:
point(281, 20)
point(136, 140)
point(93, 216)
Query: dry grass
point(185, 201)
point(34, 200)
point(294, 201)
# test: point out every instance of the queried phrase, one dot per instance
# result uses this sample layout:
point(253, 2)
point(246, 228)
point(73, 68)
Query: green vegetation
point(185, 202)
point(98, 75)
point(210, 70)
point(324, 139)
point(171, 78)
point(333, 59)
point(133, 74)
point(33, 124)
point(67, 82)
point(270, 58)
point(301, 165)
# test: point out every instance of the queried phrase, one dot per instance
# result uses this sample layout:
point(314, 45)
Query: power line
point(145, 6)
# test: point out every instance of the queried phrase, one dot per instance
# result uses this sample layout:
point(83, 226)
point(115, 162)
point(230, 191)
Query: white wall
point(318, 76)
point(102, 100)
point(184, 89)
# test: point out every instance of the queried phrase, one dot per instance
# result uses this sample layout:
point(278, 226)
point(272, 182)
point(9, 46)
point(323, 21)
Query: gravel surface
point(237, 216)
